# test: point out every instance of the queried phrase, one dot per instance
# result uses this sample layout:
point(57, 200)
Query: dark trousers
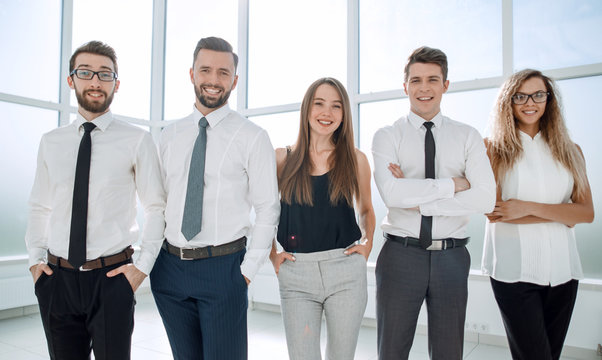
point(407, 276)
point(536, 317)
point(203, 304)
point(84, 310)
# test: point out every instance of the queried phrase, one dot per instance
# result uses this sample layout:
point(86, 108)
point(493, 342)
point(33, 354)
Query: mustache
point(104, 93)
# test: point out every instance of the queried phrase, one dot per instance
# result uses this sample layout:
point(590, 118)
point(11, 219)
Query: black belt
point(207, 251)
point(439, 244)
point(93, 264)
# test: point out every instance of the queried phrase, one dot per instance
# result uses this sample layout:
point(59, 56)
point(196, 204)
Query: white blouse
point(544, 253)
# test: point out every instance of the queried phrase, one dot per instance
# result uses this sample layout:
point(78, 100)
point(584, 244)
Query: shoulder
point(393, 130)
point(281, 154)
point(362, 159)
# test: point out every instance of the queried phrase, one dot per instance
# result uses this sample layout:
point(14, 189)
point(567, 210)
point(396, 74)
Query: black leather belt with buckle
point(207, 251)
point(438, 244)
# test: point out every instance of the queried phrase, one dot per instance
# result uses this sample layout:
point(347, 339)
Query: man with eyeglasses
point(82, 221)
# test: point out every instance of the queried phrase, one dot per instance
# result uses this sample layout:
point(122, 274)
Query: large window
point(291, 44)
point(468, 31)
point(131, 41)
point(30, 34)
point(187, 23)
point(283, 47)
point(23, 127)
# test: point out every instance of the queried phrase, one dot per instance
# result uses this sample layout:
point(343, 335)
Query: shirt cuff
point(446, 188)
point(37, 256)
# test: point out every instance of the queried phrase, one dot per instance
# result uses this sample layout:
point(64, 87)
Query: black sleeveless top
point(320, 227)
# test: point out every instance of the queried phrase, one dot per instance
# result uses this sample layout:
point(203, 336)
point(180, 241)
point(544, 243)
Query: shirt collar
point(102, 122)
point(214, 117)
point(417, 121)
point(526, 137)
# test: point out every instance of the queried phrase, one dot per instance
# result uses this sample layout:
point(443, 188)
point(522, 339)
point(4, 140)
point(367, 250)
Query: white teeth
point(325, 122)
point(212, 91)
point(529, 112)
point(424, 98)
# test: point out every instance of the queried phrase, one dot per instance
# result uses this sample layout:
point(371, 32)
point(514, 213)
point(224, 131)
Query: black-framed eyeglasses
point(89, 74)
point(537, 97)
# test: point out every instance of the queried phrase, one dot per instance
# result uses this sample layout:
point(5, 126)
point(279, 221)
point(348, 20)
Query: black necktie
point(426, 224)
point(79, 212)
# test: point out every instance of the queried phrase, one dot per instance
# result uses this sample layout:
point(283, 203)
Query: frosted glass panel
point(582, 120)
point(468, 31)
point(30, 34)
point(188, 22)
point(282, 128)
point(22, 130)
point(563, 33)
point(128, 29)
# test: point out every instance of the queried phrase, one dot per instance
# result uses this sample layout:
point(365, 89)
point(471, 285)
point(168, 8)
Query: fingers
point(117, 271)
point(395, 170)
point(46, 269)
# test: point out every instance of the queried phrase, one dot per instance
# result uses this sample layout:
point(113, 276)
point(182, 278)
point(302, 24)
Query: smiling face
point(213, 76)
point(528, 114)
point(425, 88)
point(326, 112)
point(93, 96)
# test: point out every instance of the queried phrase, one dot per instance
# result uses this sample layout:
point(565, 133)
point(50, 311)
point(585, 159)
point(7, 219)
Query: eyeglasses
point(89, 74)
point(537, 97)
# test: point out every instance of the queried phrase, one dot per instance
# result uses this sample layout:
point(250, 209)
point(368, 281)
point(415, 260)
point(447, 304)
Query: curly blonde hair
point(505, 147)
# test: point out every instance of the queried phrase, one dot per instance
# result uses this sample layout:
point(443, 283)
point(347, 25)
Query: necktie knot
point(428, 125)
point(88, 126)
point(203, 122)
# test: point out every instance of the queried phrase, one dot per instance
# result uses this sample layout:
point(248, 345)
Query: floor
point(23, 338)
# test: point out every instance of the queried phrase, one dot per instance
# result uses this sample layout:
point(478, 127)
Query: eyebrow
point(321, 99)
point(89, 66)
point(219, 69)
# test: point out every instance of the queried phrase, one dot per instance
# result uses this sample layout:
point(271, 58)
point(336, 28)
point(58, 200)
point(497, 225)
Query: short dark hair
point(94, 47)
point(426, 55)
point(215, 44)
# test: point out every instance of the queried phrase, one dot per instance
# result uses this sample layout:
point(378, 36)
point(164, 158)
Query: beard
point(209, 103)
point(94, 106)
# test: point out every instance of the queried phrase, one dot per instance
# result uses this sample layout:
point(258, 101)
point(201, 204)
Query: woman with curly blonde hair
point(542, 192)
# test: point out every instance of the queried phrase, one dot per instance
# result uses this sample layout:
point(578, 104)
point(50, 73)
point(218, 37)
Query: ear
point(405, 88)
point(235, 82)
point(70, 82)
point(192, 76)
point(445, 86)
point(117, 82)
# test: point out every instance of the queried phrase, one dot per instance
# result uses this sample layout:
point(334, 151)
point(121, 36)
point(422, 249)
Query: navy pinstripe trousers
point(203, 304)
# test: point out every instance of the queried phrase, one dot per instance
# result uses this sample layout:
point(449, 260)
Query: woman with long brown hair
point(323, 266)
point(530, 249)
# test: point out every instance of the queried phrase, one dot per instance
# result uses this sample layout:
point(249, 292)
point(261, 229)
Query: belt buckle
point(436, 245)
point(182, 257)
point(81, 268)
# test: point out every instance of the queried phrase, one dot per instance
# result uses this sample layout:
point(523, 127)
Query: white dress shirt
point(459, 152)
point(240, 174)
point(124, 161)
point(544, 253)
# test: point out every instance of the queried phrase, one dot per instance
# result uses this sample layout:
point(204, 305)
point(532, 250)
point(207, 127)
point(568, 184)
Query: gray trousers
point(405, 277)
point(328, 282)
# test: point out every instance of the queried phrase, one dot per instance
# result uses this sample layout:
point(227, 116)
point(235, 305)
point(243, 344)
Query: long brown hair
point(505, 146)
point(295, 179)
